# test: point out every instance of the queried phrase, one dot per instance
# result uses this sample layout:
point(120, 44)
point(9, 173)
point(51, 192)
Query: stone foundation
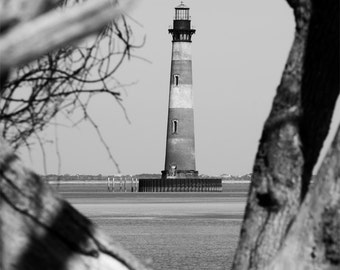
point(180, 185)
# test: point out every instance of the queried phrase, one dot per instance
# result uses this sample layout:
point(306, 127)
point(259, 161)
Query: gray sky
point(239, 51)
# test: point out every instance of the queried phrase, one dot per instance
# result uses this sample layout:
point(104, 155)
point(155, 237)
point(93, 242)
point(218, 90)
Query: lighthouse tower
point(179, 174)
point(180, 143)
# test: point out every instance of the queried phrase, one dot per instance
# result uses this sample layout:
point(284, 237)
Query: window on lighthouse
point(176, 80)
point(174, 126)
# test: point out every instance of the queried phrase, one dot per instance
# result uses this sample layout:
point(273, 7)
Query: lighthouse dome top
point(182, 6)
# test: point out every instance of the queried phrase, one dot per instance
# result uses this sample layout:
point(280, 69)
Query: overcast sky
point(239, 51)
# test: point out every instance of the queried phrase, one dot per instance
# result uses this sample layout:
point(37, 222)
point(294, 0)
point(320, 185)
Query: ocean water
point(177, 243)
point(169, 230)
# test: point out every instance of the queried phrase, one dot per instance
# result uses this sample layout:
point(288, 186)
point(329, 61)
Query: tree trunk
point(39, 230)
point(293, 134)
point(313, 241)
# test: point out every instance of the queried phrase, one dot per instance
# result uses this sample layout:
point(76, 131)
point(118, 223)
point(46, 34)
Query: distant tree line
point(66, 177)
point(69, 177)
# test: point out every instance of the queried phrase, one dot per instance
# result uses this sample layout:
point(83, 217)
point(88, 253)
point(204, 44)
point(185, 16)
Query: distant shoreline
point(92, 182)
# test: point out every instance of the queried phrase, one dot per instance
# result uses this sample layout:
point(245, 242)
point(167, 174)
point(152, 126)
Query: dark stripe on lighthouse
point(184, 69)
point(180, 149)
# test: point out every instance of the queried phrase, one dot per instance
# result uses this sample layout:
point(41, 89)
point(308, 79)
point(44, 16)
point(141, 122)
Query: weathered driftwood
point(293, 133)
point(39, 230)
point(13, 12)
point(36, 37)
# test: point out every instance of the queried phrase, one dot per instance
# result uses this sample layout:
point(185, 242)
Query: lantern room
point(182, 12)
point(181, 31)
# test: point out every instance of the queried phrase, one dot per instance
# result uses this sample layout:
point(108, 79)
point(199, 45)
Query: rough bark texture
point(293, 133)
point(39, 230)
point(313, 242)
point(320, 82)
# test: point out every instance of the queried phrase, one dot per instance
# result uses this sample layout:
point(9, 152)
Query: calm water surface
point(177, 243)
point(174, 231)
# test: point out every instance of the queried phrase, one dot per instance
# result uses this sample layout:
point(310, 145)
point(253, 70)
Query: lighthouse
point(180, 174)
point(180, 141)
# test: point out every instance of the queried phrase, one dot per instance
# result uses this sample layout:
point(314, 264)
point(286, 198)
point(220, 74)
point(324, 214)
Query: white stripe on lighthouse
point(181, 51)
point(181, 96)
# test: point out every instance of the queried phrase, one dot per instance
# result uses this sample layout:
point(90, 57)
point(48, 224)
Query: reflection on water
point(177, 243)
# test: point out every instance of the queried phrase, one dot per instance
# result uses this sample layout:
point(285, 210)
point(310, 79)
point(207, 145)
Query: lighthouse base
point(176, 184)
point(168, 174)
